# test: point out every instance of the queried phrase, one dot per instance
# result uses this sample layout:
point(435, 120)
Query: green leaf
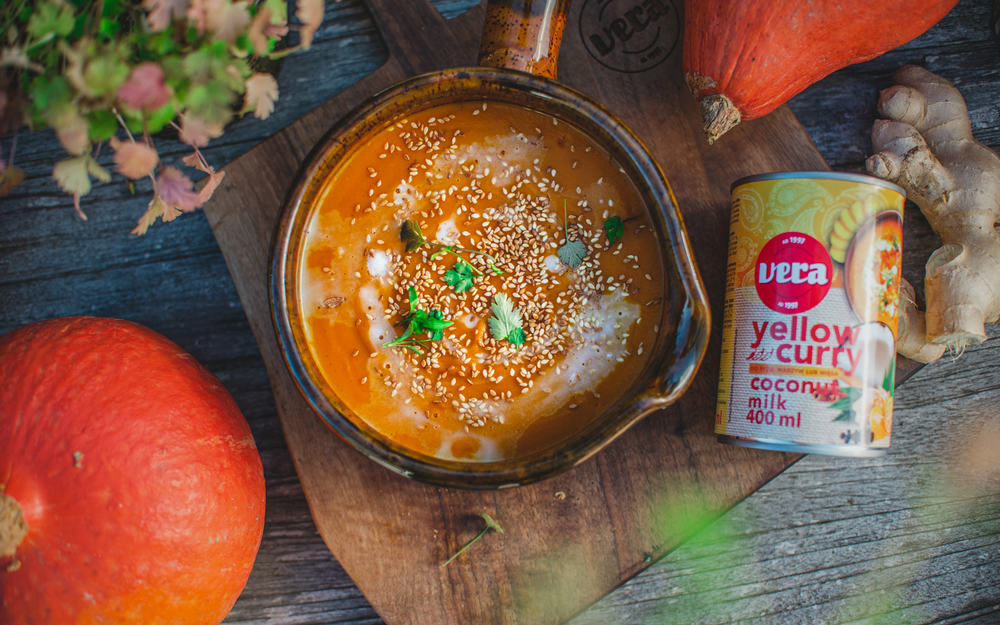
point(844, 415)
point(210, 102)
point(49, 19)
point(572, 253)
point(105, 72)
point(614, 227)
point(506, 318)
point(103, 125)
point(460, 277)
point(162, 116)
point(516, 336)
point(48, 93)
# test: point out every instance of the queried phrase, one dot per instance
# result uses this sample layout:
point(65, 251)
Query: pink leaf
point(134, 160)
point(175, 191)
point(261, 91)
point(162, 12)
point(197, 132)
point(145, 88)
point(310, 13)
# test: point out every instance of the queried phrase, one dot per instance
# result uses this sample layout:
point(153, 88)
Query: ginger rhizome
point(925, 145)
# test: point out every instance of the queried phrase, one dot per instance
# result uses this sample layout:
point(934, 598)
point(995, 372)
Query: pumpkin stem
point(719, 115)
point(13, 528)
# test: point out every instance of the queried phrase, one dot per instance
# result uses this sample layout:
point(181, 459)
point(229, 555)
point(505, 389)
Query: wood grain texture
point(850, 520)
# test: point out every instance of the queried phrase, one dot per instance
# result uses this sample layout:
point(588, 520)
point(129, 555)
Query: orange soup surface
point(479, 281)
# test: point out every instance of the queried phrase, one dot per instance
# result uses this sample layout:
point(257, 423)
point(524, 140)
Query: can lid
point(825, 175)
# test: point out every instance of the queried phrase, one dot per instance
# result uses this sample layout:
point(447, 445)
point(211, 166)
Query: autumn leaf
point(175, 191)
point(72, 176)
point(310, 13)
point(212, 182)
point(153, 210)
point(260, 95)
point(265, 26)
point(230, 22)
point(10, 177)
point(72, 129)
point(132, 159)
point(197, 132)
point(162, 12)
point(145, 88)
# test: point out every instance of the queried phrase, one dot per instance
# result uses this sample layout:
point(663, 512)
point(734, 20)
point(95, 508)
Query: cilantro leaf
point(572, 253)
point(460, 277)
point(419, 322)
point(506, 320)
point(614, 227)
point(516, 336)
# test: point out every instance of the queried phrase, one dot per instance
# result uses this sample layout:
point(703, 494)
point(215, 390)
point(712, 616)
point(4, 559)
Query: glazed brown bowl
point(683, 329)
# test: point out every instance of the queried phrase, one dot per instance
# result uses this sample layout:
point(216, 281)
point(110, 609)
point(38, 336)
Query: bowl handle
point(523, 35)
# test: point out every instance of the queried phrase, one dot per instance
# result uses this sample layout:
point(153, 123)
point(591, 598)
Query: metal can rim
point(826, 175)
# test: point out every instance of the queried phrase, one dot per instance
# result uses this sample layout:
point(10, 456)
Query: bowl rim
point(688, 309)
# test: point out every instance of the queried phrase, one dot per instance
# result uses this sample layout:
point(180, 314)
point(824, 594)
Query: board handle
point(523, 35)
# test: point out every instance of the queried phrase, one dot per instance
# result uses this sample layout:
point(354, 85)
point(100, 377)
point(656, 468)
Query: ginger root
point(926, 146)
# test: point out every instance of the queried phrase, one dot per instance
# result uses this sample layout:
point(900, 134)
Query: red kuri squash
point(131, 490)
point(745, 58)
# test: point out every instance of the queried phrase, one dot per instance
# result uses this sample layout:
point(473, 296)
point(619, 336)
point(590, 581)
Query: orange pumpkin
point(131, 490)
point(743, 59)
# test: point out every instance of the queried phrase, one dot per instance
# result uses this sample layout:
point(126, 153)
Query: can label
point(812, 295)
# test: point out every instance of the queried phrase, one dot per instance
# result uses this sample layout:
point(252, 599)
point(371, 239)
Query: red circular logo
point(793, 273)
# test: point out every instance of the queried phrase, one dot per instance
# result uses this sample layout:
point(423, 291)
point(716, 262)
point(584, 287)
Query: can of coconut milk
point(812, 302)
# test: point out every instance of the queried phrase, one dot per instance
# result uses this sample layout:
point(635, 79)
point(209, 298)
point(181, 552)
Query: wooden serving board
point(570, 539)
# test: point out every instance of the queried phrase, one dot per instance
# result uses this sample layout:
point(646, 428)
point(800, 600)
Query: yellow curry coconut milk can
point(812, 302)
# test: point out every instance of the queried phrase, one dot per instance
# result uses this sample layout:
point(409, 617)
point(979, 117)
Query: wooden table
point(912, 537)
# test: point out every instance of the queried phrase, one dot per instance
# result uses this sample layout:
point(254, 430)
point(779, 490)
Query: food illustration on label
point(808, 359)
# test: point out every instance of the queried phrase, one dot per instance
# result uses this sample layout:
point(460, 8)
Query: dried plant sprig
point(491, 524)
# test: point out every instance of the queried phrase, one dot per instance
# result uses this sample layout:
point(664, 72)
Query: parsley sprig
point(419, 321)
point(464, 273)
point(614, 227)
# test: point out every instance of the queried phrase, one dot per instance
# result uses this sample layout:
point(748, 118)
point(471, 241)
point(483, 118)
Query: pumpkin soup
point(479, 281)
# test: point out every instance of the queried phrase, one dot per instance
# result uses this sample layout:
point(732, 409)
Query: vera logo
point(794, 272)
point(630, 35)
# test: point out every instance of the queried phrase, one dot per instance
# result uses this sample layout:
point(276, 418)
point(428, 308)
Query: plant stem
point(467, 545)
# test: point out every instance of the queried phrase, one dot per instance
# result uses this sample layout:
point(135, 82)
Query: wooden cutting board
point(571, 539)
